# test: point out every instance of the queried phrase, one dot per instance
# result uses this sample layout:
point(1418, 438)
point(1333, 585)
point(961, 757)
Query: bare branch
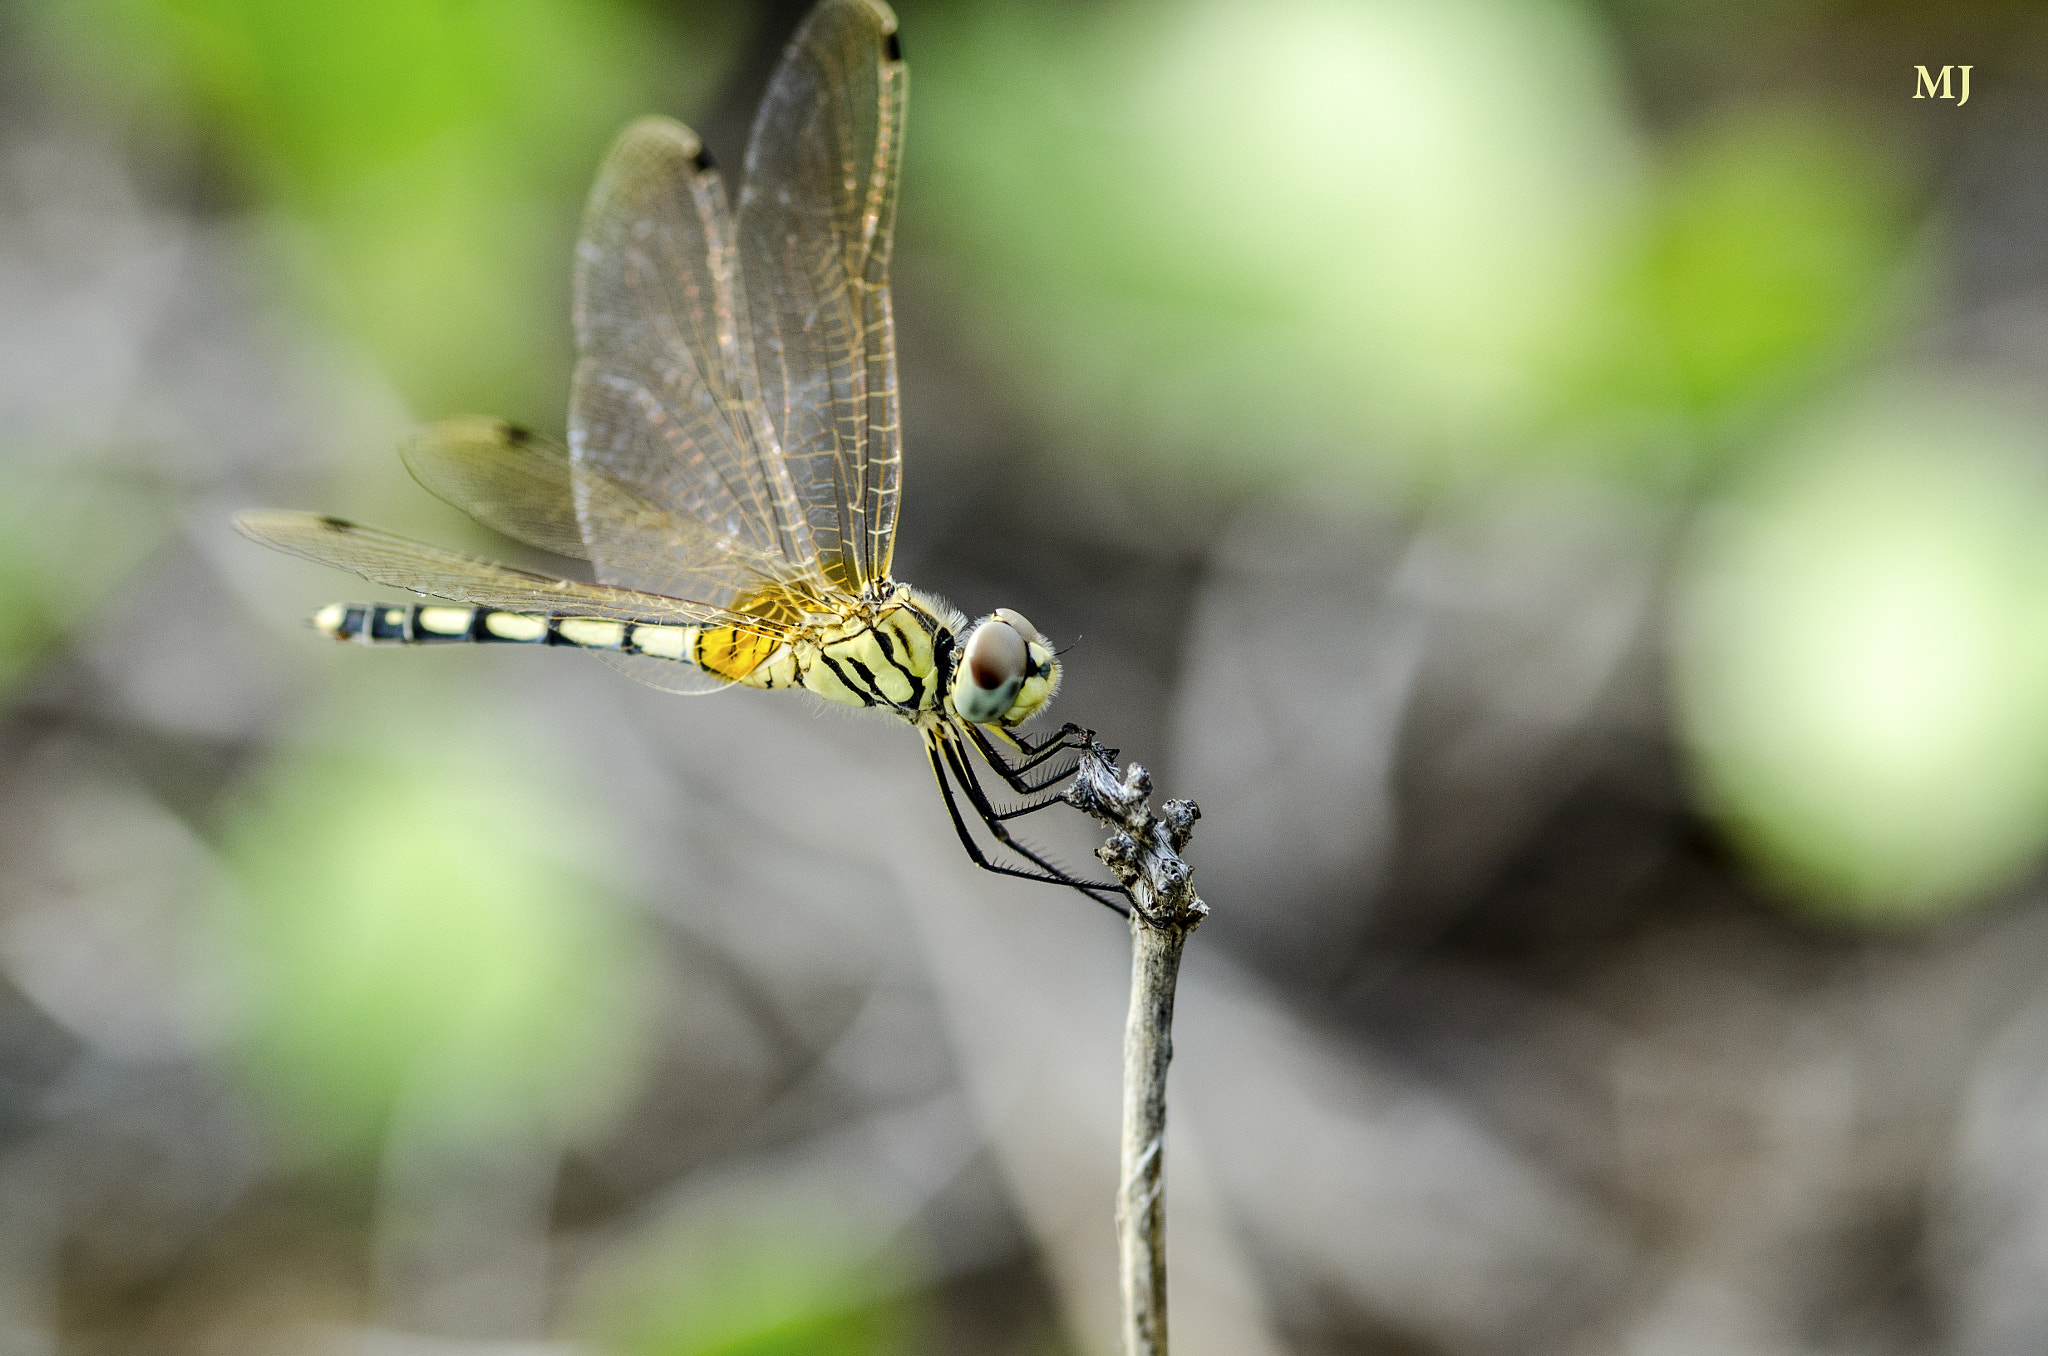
point(1143, 852)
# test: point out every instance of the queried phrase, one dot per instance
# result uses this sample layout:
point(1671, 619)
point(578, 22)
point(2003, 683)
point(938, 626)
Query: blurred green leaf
point(784, 1279)
point(439, 149)
point(1404, 238)
point(1862, 666)
point(433, 918)
point(1771, 254)
point(31, 607)
point(1337, 235)
point(1776, 249)
point(67, 537)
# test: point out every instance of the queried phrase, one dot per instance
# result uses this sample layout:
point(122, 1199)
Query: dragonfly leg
point(1048, 873)
point(963, 770)
point(1069, 738)
point(985, 804)
point(1053, 742)
point(963, 773)
point(1013, 773)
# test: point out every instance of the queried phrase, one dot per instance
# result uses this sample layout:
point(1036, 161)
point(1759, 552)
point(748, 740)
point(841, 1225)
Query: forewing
point(402, 563)
point(527, 487)
point(816, 218)
point(665, 400)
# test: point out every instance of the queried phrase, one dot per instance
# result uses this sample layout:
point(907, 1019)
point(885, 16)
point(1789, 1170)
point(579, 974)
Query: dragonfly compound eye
point(991, 670)
point(1024, 628)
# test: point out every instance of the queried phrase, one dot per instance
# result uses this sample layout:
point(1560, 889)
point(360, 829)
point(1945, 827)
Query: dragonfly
point(734, 460)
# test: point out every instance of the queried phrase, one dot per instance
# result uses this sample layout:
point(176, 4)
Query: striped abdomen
point(448, 623)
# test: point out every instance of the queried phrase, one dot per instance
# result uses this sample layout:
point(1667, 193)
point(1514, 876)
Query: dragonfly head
point(1006, 673)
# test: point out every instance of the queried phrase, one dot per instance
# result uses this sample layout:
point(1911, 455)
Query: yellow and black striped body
point(451, 623)
point(894, 652)
point(895, 655)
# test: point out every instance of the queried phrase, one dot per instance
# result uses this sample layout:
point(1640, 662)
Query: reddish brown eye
point(995, 656)
point(991, 671)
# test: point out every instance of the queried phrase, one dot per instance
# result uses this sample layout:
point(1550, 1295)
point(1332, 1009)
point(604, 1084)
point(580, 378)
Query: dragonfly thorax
point(908, 652)
point(889, 651)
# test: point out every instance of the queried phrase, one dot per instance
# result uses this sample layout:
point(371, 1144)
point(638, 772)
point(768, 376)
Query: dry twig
point(1143, 852)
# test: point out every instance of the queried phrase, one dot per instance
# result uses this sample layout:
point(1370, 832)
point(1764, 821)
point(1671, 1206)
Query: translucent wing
point(506, 478)
point(526, 487)
point(665, 401)
point(662, 674)
point(402, 563)
point(816, 217)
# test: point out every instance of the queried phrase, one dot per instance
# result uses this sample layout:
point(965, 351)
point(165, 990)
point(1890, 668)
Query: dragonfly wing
point(508, 479)
point(665, 401)
point(402, 563)
point(684, 679)
point(528, 488)
point(817, 214)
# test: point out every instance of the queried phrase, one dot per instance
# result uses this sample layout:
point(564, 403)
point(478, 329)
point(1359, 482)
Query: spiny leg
point(975, 855)
point(1051, 875)
point(984, 804)
point(956, 757)
point(1034, 756)
point(1068, 738)
point(1054, 741)
point(1013, 773)
point(963, 772)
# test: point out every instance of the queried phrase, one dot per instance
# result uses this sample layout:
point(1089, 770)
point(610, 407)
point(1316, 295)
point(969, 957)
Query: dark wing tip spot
point(703, 160)
point(516, 435)
point(891, 47)
point(336, 524)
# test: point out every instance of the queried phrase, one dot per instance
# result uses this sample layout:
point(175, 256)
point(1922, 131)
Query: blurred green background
point(1563, 484)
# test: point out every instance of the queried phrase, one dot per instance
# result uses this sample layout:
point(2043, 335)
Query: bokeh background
point(1564, 485)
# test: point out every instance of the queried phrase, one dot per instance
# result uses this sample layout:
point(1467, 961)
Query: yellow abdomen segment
point(732, 653)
